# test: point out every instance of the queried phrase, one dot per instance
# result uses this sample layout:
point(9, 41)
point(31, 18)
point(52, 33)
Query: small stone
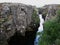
point(8, 28)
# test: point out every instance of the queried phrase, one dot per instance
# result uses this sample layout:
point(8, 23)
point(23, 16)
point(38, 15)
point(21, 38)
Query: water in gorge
point(40, 29)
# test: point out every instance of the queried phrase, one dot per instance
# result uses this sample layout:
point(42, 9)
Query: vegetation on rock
point(35, 18)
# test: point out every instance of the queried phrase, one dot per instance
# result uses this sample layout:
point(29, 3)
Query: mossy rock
point(35, 18)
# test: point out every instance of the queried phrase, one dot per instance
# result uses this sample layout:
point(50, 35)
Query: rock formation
point(15, 17)
point(49, 11)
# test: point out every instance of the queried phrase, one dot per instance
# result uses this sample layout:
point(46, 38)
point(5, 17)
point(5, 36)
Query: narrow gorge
point(22, 24)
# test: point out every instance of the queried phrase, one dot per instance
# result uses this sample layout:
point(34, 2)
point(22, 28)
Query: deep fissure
point(18, 39)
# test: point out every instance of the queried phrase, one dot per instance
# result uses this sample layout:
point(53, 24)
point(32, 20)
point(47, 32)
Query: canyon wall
point(49, 11)
point(16, 17)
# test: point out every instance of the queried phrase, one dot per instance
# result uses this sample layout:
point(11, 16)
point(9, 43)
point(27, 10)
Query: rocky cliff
point(16, 18)
point(49, 11)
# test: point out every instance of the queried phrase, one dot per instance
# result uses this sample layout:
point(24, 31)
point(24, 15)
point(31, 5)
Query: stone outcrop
point(15, 17)
point(49, 11)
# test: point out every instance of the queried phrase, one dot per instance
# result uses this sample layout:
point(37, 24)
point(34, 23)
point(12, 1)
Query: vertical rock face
point(14, 17)
point(18, 16)
point(49, 11)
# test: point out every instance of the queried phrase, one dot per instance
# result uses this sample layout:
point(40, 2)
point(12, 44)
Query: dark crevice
point(18, 39)
point(30, 36)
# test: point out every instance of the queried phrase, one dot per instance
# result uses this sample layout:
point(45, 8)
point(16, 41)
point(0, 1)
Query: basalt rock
point(49, 11)
point(16, 17)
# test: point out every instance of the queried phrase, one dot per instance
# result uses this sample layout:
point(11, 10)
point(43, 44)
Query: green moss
point(35, 18)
